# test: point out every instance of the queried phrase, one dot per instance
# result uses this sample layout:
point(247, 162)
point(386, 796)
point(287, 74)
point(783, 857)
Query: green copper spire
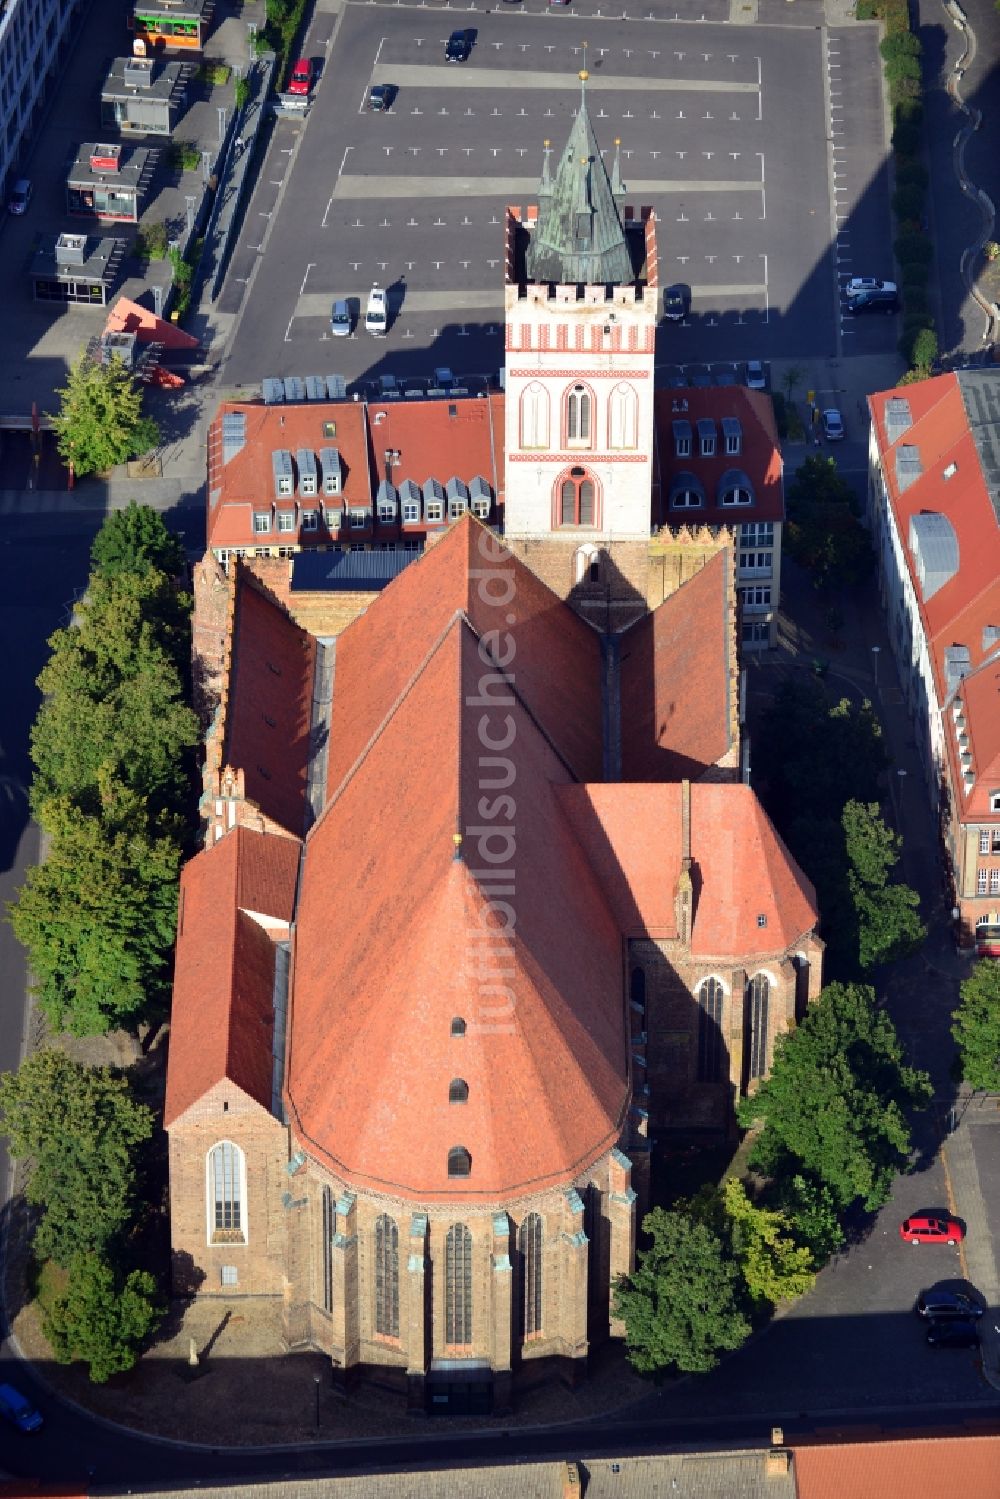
point(579, 234)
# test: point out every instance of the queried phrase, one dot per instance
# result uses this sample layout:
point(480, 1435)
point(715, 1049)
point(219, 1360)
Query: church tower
point(580, 299)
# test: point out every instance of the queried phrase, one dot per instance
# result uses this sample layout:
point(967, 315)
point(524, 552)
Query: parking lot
point(730, 133)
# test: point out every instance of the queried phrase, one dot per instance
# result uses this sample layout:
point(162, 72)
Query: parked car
point(380, 97)
point(302, 77)
point(20, 195)
point(886, 301)
point(942, 1305)
point(18, 1409)
point(928, 1228)
point(833, 424)
point(860, 285)
point(756, 378)
point(457, 47)
point(340, 318)
point(676, 302)
point(376, 319)
point(953, 1332)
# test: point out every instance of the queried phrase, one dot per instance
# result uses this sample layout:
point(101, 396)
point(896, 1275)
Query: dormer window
point(682, 439)
point(706, 438)
point(732, 436)
point(995, 801)
point(261, 522)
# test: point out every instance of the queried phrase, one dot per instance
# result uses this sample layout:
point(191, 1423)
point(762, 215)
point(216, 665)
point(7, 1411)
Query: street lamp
point(875, 653)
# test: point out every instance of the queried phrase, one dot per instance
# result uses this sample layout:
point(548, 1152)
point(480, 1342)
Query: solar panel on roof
point(898, 418)
point(315, 388)
point(354, 570)
point(336, 388)
point(234, 434)
point(295, 388)
point(273, 392)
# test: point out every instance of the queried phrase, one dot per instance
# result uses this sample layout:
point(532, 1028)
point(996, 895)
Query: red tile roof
point(391, 944)
point(246, 482)
point(439, 439)
point(556, 661)
point(222, 1016)
point(676, 681)
point(967, 1465)
point(269, 705)
point(958, 612)
point(742, 870)
point(760, 456)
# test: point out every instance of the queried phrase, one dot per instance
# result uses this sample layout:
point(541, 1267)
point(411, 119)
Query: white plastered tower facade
point(581, 310)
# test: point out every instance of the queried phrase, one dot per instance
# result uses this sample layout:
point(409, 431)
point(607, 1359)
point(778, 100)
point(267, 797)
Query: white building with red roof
point(934, 508)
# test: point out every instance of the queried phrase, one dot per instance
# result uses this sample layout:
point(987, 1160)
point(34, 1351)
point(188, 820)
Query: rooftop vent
point(105, 158)
point(71, 249)
point(934, 547)
point(908, 466)
point(138, 72)
point(898, 418)
point(951, 471)
point(284, 474)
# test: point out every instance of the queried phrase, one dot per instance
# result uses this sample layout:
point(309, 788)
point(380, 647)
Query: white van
point(375, 319)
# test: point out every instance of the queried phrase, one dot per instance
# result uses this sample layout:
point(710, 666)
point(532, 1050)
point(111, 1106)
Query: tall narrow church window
point(710, 995)
point(578, 415)
point(637, 988)
point(530, 1254)
point(386, 1276)
point(623, 418)
point(458, 1285)
point(534, 416)
point(225, 1173)
point(329, 1228)
point(577, 500)
point(755, 1038)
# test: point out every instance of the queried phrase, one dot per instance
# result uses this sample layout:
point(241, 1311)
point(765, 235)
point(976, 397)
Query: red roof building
point(495, 912)
point(934, 509)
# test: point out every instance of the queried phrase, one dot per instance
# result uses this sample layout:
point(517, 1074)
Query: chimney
point(777, 1463)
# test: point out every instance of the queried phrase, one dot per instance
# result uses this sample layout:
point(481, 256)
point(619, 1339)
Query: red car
point(302, 77)
point(927, 1228)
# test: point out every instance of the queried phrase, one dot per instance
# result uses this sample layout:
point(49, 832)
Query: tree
point(101, 1317)
point(888, 921)
point(812, 1214)
point(114, 698)
point(823, 532)
point(976, 1026)
point(681, 1306)
point(99, 422)
point(135, 540)
point(836, 1098)
point(79, 1127)
point(773, 1266)
point(98, 918)
point(924, 350)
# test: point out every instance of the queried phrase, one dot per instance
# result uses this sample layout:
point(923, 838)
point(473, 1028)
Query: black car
point(874, 301)
point(953, 1332)
point(676, 302)
point(458, 47)
point(380, 97)
point(942, 1305)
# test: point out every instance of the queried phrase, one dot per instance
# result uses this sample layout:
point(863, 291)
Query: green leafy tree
point(976, 1026)
point(924, 350)
point(98, 918)
point(681, 1306)
point(836, 1100)
point(135, 540)
point(812, 1214)
point(101, 1317)
point(114, 698)
point(99, 422)
point(823, 533)
point(888, 919)
point(773, 1266)
point(80, 1128)
point(815, 757)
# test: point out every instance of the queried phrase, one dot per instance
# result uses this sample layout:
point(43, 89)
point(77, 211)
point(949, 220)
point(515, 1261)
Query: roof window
point(458, 1090)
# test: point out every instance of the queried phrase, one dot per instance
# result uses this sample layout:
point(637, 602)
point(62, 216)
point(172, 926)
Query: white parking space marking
point(413, 75)
point(360, 187)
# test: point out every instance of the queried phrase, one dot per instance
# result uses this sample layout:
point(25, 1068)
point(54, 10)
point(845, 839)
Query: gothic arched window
point(534, 416)
point(710, 997)
point(758, 994)
point(577, 499)
point(459, 1161)
point(623, 418)
point(578, 416)
point(386, 1276)
point(226, 1188)
point(329, 1229)
point(529, 1243)
point(458, 1285)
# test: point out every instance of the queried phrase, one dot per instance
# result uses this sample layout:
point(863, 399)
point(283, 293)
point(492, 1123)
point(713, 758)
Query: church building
point(484, 908)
